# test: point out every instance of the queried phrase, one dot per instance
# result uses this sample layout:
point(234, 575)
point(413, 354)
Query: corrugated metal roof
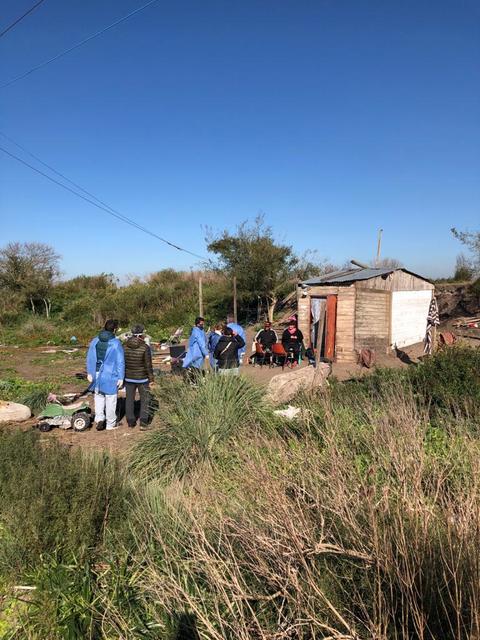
point(353, 275)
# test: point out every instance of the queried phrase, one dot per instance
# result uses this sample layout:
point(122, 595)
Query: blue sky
point(334, 117)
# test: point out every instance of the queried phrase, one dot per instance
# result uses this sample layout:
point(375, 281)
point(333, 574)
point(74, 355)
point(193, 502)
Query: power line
point(77, 45)
point(21, 18)
point(106, 208)
point(61, 175)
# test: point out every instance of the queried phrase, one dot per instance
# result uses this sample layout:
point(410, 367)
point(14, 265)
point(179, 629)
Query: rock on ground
point(285, 386)
point(14, 412)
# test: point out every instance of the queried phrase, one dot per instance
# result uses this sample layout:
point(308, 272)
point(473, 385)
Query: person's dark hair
point(227, 331)
point(138, 329)
point(198, 320)
point(292, 323)
point(111, 325)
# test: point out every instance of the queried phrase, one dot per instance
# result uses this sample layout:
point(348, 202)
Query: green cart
point(76, 416)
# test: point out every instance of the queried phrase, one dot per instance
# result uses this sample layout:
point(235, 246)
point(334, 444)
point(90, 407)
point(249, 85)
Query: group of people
point(225, 345)
point(292, 340)
point(112, 365)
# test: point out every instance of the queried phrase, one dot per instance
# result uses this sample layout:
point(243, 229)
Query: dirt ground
point(59, 366)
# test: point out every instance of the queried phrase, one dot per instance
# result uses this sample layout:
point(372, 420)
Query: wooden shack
point(343, 312)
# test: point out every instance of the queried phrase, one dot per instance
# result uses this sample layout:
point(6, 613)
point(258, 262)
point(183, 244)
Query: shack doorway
point(323, 325)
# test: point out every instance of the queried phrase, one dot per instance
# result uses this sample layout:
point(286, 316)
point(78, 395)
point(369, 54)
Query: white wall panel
point(409, 316)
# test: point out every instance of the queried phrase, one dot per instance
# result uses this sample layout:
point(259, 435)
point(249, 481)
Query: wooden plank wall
point(396, 281)
point(345, 343)
point(372, 320)
point(303, 311)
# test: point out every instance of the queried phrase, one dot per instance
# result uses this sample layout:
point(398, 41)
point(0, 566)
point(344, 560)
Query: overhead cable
point(20, 18)
point(106, 208)
point(77, 45)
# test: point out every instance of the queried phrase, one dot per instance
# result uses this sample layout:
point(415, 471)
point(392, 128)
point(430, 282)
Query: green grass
point(360, 520)
point(196, 422)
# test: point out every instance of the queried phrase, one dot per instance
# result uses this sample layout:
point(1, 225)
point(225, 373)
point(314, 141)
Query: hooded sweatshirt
point(104, 338)
point(138, 361)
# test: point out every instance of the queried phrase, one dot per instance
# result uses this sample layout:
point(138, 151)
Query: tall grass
point(54, 500)
point(194, 424)
point(359, 521)
point(361, 528)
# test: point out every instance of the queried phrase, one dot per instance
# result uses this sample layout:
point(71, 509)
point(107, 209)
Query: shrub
point(196, 422)
point(450, 380)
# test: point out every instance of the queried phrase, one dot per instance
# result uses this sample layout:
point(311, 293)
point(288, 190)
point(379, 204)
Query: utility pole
point(379, 247)
point(200, 296)
point(235, 298)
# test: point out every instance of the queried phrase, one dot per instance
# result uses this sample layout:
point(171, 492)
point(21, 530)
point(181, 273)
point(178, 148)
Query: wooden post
point(200, 296)
point(235, 299)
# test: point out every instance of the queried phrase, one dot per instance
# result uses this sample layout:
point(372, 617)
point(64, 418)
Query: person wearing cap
point(292, 339)
point(197, 346)
point(138, 375)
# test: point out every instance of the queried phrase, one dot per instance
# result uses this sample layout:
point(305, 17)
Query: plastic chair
point(279, 355)
point(260, 355)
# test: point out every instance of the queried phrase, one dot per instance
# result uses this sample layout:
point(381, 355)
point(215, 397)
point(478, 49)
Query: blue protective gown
point(112, 368)
point(197, 349)
point(213, 339)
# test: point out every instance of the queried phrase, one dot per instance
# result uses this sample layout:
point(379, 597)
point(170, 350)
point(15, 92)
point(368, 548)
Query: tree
point(464, 270)
point(260, 265)
point(470, 239)
point(29, 269)
point(387, 263)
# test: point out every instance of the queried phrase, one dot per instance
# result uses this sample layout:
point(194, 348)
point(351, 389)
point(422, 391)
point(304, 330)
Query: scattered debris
point(471, 323)
point(447, 338)
point(50, 351)
point(290, 412)
point(367, 358)
point(14, 412)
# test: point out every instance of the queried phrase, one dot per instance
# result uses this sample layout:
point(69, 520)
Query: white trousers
point(105, 406)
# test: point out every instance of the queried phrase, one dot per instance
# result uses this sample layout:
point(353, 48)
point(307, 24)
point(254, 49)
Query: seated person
point(292, 339)
point(266, 338)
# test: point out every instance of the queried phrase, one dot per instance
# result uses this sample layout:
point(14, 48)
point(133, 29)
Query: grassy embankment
point(360, 520)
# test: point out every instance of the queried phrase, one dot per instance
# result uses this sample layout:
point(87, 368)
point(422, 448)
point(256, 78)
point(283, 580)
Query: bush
point(450, 380)
point(198, 420)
